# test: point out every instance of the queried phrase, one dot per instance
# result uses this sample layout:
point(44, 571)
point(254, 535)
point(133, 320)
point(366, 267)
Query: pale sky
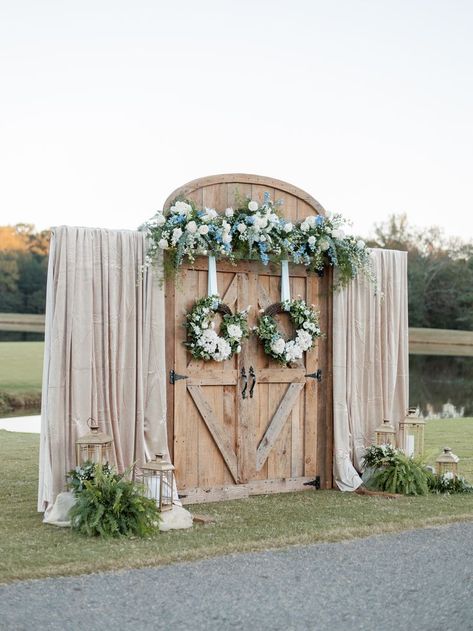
point(108, 106)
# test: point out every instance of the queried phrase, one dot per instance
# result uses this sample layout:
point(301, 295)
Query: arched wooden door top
point(219, 191)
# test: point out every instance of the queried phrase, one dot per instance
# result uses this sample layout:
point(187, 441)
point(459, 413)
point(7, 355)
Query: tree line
point(440, 271)
point(23, 269)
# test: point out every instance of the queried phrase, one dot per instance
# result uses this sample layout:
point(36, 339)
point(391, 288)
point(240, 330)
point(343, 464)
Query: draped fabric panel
point(104, 352)
point(370, 361)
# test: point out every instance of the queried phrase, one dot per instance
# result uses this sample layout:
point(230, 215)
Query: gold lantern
point(411, 434)
point(447, 462)
point(93, 446)
point(385, 434)
point(158, 480)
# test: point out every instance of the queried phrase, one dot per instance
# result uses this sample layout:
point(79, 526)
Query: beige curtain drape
point(104, 352)
point(370, 361)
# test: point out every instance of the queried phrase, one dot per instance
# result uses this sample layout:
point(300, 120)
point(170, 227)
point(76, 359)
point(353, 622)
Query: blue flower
point(319, 220)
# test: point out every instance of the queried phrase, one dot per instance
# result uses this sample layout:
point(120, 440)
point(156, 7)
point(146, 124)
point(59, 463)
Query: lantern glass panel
point(158, 480)
point(411, 434)
point(93, 446)
point(447, 462)
point(385, 434)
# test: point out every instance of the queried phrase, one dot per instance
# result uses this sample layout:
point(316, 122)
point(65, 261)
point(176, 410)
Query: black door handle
point(252, 374)
point(244, 376)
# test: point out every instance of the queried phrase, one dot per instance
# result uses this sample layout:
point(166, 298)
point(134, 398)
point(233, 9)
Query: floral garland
point(203, 341)
point(306, 321)
point(254, 231)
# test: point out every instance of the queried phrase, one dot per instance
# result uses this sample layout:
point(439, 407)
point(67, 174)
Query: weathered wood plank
point(277, 423)
point(22, 322)
point(440, 342)
point(242, 491)
point(282, 375)
point(218, 435)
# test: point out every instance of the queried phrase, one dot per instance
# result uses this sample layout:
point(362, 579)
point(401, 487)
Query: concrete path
point(29, 424)
point(417, 580)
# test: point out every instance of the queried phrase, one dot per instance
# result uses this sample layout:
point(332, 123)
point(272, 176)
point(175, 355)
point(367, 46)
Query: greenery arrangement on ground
point(394, 472)
point(110, 505)
point(30, 549)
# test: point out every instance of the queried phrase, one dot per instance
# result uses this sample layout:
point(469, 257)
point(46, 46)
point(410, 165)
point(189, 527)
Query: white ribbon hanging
point(285, 288)
point(212, 289)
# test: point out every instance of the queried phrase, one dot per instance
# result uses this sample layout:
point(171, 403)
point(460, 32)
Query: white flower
point(210, 214)
point(360, 244)
point(160, 219)
point(229, 212)
point(273, 218)
point(310, 220)
point(163, 244)
point(304, 339)
point(181, 208)
point(278, 346)
point(226, 237)
point(288, 227)
point(305, 226)
point(203, 229)
point(223, 351)
point(328, 231)
point(252, 206)
point(448, 475)
point(191, 227)
point(238, 349)
point(260, 222)
point(226, 226)
point(234, 331)
point(176, 235)
point(262, 238)
point(292, 351)
point(324, 244)
point(338, 234)
point(241, 228)
point(311, 240)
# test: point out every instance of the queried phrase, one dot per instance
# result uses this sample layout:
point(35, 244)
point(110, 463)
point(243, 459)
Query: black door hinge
point(316, 375)
point(173, 376)
point(315, 483)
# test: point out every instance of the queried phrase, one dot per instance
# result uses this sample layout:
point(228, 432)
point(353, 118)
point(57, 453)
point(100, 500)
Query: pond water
point(441, 386)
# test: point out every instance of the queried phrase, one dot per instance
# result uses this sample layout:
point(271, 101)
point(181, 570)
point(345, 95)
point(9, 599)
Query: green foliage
point(109, 505)
point(77, 478)
point(446, 483)
point(394, 472)
point(403, 475)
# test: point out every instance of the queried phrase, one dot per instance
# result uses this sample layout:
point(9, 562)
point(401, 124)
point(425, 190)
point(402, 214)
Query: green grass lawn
point(21, 366)
point(30, 549)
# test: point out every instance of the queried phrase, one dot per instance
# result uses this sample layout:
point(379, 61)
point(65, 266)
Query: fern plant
point(400, 474)
point(109, 505)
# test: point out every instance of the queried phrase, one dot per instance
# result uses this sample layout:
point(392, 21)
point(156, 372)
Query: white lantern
point(385, 434)
point(411, 434)
point(158, 480)
point(93, 446)
point(447, 462)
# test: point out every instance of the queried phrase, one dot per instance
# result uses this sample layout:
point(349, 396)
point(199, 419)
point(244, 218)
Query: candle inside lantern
point(409, 445)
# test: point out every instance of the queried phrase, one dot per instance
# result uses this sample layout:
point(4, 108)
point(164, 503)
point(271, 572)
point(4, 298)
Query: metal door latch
point(316, 375)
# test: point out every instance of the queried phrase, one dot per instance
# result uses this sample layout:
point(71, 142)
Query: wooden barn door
point(274, 435)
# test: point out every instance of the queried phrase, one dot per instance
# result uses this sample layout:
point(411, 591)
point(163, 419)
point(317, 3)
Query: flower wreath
point(203, 341)
point(304, 318)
